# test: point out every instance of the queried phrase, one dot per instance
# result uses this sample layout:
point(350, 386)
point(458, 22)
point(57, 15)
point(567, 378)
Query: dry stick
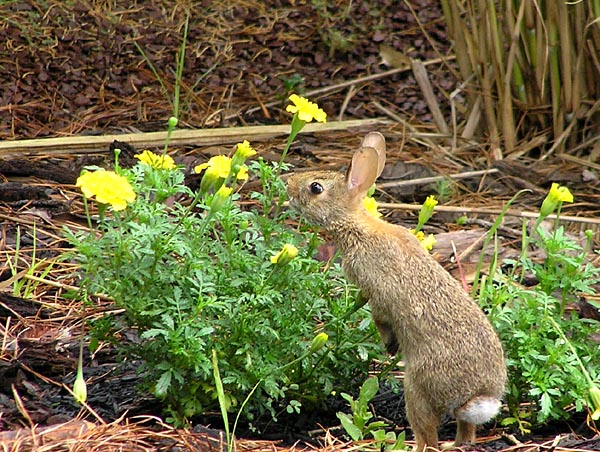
point(51, 283)
point(351, 92)
point(469, 128)
point(579, 161)
point(91, 144)
point(558, 141)
point(205, 137)
point(428, 180)
point(420, 138)
point(473, 121)
point(422, 78)
point(483, 210)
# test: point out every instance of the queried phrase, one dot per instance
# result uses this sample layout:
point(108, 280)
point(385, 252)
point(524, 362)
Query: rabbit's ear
point(363, 171)
point(376, 141)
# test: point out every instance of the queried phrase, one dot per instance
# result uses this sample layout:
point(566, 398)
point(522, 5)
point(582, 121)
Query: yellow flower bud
point(242, 173)
point(287, 253)
point(318, 342)
point(216, 170)
point(428, 242)
point(243, 152)
point(595, 401)
point(426, 211)
point(79, 386)
point(220, 197)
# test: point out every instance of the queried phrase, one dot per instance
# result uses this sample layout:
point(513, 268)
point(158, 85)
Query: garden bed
point(80, 76)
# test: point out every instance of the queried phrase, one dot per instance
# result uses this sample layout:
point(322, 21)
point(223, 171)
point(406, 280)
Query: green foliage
point(191, 282)
point(25, 283)
point(358, 426)
point(332, 19)
point(551, 358)
point(292, 84)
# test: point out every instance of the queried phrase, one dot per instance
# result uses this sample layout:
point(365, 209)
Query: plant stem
point(87, 212)
point(564, 338)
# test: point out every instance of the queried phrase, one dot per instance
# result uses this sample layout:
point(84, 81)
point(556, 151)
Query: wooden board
point(204, 137)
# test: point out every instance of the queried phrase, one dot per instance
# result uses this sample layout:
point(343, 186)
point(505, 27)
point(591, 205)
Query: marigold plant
point(204, 275)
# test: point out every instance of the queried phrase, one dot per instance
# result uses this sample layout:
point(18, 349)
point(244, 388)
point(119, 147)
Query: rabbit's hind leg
point(476, 411)
point(423, 421)
point(465, 433)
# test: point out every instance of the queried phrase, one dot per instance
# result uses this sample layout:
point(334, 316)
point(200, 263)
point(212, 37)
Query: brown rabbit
point(453, 359)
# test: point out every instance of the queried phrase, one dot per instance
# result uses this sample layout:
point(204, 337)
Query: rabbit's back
point(442, 333)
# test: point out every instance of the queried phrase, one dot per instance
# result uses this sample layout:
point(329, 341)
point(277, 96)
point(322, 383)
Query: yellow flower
point(156, 161)
point(556, 196)
point(242, 173)
point(307, 111)
point(426, 242)
point(430, 202)
point(595, 401)
point(560, 194)
point(371, 205)
point(108, 188)
point(218, 166)
point(287, 253)
point(245, 150)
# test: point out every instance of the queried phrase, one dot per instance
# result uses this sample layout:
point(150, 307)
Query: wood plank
point(203, 137)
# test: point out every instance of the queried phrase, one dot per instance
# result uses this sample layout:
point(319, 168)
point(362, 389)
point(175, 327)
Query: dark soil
point(84, 68)
point(89, 68)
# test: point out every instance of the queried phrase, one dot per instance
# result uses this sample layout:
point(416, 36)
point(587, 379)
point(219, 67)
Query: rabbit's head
point(326, 198)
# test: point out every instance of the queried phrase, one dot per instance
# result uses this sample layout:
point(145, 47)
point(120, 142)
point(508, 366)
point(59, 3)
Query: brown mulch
point(82, 68)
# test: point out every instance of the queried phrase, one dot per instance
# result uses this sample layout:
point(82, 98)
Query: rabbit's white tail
point(479, 410)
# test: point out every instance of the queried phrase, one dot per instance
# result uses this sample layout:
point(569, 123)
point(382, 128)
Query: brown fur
point(453, 356)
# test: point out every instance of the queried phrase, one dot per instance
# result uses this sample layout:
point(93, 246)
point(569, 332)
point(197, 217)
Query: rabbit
point(454, 362)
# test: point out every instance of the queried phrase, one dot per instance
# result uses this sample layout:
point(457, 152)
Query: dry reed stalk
point(534, 65)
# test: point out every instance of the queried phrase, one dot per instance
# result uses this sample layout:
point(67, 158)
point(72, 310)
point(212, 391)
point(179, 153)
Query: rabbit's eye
point(316, 188)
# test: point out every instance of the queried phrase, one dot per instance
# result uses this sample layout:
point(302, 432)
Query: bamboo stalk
point(555, 85)
point(566, 53)
point(508, 124)
point(546, 54)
